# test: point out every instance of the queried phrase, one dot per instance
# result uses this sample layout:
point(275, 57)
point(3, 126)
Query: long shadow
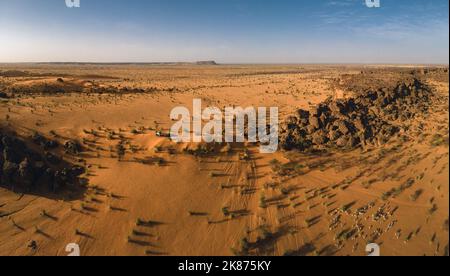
point(155, 253)
point(266, 244)
point(249, 191)
point(349, 205)
point(198, 214)
point(19, 227)
point(84, 235)
point(240, 213)
point(276, 199)
point(329, 250)
point(117, 209)
point(149, 223)
point(141, 234)
point(313, 221)
point(50, 217)
point(219, 221)
point(42, 233)
point(138, 242)
point(90, 209)
point(304, 250)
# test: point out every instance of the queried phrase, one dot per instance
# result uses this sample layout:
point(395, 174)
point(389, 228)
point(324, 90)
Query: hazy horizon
point(228, 32)
point(217, 63)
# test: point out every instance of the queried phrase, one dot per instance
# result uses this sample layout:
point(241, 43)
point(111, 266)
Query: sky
point(227, 31)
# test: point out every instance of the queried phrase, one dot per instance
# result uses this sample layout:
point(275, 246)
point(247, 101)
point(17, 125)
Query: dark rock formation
point(206, 62)
point(73, 147)
point(27, 169)
point(44, 142)
point(368, 118)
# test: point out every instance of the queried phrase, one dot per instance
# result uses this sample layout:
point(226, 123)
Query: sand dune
point(117, 188)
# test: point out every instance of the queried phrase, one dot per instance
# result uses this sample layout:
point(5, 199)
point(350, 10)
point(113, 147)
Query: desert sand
point(93, 171)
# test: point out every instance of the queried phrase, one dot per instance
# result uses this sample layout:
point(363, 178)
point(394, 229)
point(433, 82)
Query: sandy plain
point(142, 194)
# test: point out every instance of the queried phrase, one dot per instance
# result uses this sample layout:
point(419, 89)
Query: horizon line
point(214, 63)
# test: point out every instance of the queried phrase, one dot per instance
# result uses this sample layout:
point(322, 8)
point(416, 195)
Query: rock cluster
point(23, 167)
point(44, 142)
point(367, 119)
point(72, 147)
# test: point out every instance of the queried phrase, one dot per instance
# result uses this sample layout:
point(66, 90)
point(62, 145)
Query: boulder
point(314, 112)
point(44, 142)
point(10, 171)
point(2, 162)
point(343, 141)
point(314, 122)
point(26, 173)
point(39, 169)
point(336, 108)
point(51, 158)
point(310, 129)
point(359, 124)
point(319, 138)
point(76, 171)
point(343, 127)
point(323, 120)
point(303, 114)
point(72, 147)
point(12, 155)
point(333, 135)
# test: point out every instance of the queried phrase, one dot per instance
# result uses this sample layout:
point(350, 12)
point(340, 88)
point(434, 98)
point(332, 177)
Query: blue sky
point(228, 31)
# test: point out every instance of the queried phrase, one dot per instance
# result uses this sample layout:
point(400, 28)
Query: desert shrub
point(285, 191)
point(213, 174)
point(225, 211)
point(140, 222)
point(275, 165)
point(438, 140)
point(416, 195)
point(245, 245)
point(262, 201)
point(433, 209)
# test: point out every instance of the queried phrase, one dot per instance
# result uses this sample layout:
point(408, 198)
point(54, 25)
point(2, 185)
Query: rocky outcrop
point(367, 119)
point(206, 62)
point(44, 142)
point(22, 167)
